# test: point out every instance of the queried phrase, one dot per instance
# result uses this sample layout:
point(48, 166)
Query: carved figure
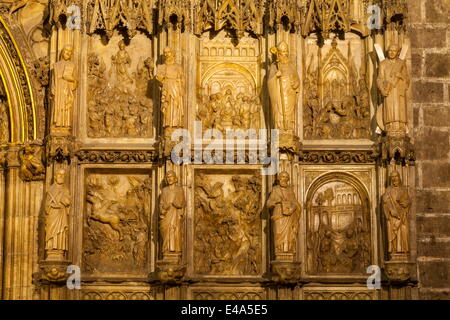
point(285, 216)
point(64, 84)
point(31, 168)
point(172, 206)
point(396, 206)
point(393, 82)
point(57, 206)
point(121, 63)
point(284, 84)
point(171, 77)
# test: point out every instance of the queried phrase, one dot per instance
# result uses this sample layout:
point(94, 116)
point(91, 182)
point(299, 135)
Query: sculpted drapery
point(64, 84)
point(285, 216)
point(396, 206)
point(172, 206)
point(57, 206)
point(283, 83)
point(393, 82)
point(171, 77)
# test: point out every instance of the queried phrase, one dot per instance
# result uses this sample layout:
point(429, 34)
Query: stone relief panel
point(227, 231)
point(336, 94)
point(4, 118)
point(116, 224)
point(338, 236)
point(228, 84)
point(119, 90)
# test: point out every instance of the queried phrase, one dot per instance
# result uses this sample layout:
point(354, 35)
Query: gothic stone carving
point(339, 157)
point(114, 156)
point(57, 205)
point(4, 120)
point(336, 102)
point(171, 77)
point(396, 206)
point(285, 218)
point(338, 231)
point(172, 206)
point(64, 84)
point(239, 16)
point(116, 229)
point(118, 104)
point(227, 224)
point(224, 111)
point(31, 165)
point(393, 83)
point(131, 15)
point(283, 86)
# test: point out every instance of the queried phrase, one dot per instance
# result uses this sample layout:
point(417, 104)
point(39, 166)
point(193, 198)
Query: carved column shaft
point(21, 218)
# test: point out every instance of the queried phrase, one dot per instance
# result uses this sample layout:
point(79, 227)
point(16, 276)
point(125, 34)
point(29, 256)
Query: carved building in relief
point(90, 105)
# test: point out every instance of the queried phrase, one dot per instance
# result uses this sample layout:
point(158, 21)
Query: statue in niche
point(121, 62)
point(396, 206)
point(171, 77)
point(57, 206)
point(285, 217)
point(172, 205)
point(284, 84)
point(393, 83)
point(64, 84)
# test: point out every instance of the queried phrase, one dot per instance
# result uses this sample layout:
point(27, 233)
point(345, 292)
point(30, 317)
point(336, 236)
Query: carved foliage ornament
point(238, 15)
point(108, 15)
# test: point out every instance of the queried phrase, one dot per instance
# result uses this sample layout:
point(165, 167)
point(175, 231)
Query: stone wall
point(430, 38)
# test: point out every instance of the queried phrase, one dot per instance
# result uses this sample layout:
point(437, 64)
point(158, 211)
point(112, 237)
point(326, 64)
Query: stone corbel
point(52, 272)
point(399, 149)
point(400, 272)
point(286, 272)
point(59, 148)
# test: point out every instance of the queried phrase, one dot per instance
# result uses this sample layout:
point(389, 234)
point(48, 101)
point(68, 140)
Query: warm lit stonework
point(354, 92)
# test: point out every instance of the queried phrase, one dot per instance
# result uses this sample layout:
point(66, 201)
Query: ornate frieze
point(236, 15)
point(115, 156)
point(175, 13)
point(131, 15)
point(339, 157)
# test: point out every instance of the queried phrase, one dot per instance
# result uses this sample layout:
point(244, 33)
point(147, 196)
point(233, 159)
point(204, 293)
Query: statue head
point(393, 51)
point(396, 180)
point(169, 55)
point(66, 52)
point(283, 179)
point(171, 178)
point(121, 45)
point(60, 176)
